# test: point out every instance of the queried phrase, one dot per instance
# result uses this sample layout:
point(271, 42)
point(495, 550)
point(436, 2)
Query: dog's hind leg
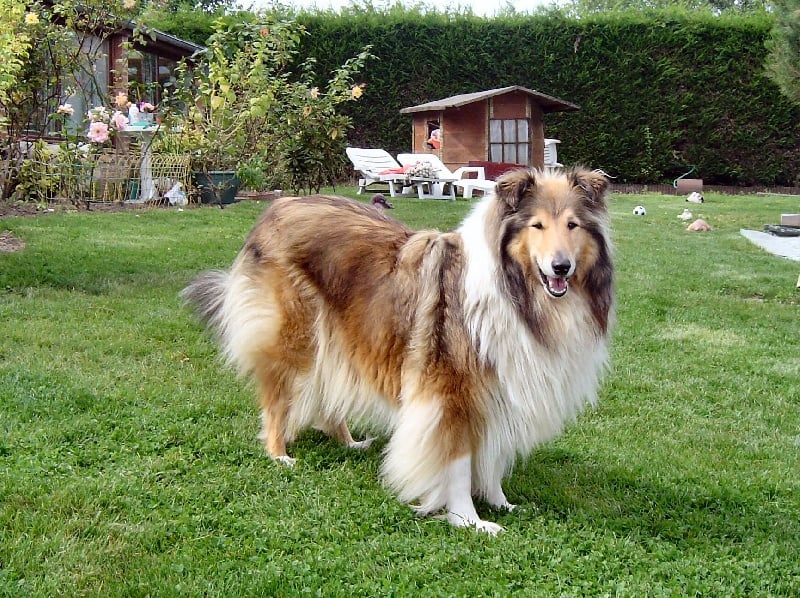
point(274, 417)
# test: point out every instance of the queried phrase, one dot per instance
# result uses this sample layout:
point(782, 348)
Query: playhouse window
point(509, 141)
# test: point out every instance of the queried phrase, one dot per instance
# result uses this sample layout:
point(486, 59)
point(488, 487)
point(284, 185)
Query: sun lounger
point(376, 166)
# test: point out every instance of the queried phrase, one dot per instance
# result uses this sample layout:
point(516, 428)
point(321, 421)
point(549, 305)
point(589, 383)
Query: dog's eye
point(537, 225)
point(572, 225)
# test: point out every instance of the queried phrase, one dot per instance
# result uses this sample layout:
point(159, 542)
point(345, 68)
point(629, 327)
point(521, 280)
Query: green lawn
point(129, 463)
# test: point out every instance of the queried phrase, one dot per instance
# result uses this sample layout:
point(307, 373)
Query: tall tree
point(783, 64)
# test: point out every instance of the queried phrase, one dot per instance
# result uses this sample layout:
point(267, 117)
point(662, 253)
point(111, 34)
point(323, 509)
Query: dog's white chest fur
point(540, 387)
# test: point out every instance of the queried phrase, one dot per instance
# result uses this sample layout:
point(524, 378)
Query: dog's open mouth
point(557, 286)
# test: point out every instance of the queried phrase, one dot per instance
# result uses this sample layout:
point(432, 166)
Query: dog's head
point(379, 200)
point(556, 227)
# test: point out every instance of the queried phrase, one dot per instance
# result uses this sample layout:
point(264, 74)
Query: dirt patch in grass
point(10, 243)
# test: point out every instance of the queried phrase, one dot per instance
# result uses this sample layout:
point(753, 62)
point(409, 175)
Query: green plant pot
point(217, 186)
point(133, 192)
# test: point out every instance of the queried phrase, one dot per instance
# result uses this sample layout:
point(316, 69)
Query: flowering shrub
point(67, 170)
point(253, 110)
point(45, 58)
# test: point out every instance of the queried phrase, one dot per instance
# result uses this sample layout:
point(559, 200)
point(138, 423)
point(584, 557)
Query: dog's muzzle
point(557, 284)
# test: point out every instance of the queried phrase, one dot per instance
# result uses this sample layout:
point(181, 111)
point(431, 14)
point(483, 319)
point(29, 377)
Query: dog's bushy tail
point(206, 296)
point(239, 312)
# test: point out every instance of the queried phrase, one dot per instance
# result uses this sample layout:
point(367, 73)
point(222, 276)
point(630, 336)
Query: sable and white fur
point(470, 347)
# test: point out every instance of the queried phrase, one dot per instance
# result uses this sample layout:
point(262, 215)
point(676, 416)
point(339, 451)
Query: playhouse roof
point(165, 42)
point(548, 103)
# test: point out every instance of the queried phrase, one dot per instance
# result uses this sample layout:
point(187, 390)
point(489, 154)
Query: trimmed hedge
point(659, 92)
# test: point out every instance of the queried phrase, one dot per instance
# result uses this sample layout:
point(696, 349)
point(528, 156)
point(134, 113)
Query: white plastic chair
point(551, 155)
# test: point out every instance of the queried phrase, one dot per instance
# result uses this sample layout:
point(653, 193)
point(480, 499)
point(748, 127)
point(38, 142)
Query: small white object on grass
point(695, 197)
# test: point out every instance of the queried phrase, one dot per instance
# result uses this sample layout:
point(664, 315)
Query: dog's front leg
point(495, 495)
point(460, 508)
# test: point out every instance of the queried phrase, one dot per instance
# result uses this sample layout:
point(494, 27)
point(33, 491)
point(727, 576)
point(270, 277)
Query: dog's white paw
point(361, 444)
point(487, 527)
point(285, 460)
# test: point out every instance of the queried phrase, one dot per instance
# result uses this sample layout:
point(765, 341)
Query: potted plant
point(214, 170)
point(208, 132)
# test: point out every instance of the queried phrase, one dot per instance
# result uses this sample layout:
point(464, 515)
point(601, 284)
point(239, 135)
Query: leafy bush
point(253, 107)
point(784, 44)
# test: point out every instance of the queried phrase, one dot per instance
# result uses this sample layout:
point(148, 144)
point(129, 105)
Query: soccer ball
point(639, 211)
point(695, 197)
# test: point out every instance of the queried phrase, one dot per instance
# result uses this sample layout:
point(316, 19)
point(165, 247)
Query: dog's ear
point(514, 184)
point(593, 183)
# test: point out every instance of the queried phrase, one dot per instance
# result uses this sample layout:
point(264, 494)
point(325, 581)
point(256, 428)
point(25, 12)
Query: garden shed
point(497, 125)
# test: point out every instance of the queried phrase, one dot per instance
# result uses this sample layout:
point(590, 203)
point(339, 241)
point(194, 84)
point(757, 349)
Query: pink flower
point(118, 120)
point(146, 107)
point(98, 132)
point(66, 109)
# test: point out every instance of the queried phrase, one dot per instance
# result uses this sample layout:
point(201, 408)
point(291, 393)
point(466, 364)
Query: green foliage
point(783, 66)
point(15, 44)
point(588, 7)
point(184, 22)
point(64, 173)
point(693, 79)
point(253, 107)
point(129, 463)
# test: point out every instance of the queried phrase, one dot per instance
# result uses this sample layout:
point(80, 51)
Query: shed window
point(509, 141)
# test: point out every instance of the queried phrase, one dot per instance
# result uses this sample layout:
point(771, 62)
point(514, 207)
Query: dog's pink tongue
point(558, 285)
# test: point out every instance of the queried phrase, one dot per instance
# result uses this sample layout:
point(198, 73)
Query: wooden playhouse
point(504, 125)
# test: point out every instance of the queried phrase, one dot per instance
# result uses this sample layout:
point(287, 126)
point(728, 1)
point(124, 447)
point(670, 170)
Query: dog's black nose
point(561, 266)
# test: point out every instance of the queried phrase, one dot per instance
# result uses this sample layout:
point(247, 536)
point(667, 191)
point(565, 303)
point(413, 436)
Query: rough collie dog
point(471, 347)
